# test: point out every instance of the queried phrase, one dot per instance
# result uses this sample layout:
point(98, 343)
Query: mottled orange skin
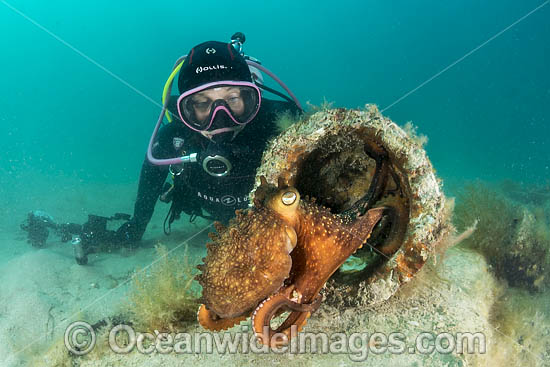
point(324, 242)
point(247, 262)
point(281, 241)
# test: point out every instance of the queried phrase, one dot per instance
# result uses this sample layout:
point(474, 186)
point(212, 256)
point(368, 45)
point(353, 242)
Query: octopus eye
point(289, 198)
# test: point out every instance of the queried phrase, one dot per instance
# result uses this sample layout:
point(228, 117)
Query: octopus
point(273, 260)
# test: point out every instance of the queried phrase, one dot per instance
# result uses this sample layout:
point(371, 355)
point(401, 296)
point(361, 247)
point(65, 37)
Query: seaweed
point(495, 215)
point(285, 119)
point(412, 132)
point(523, 324)
point(513, 237)
point(165, 295)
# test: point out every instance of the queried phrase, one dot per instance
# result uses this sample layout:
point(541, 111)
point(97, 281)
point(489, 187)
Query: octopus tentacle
point(377, 184)
point(210, 321)
point(274, 306)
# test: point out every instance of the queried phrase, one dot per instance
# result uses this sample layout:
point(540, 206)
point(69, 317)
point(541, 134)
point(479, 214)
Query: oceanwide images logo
point(80, 339)
point(200, 69)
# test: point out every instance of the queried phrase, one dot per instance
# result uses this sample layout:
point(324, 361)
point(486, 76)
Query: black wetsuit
point(194, 189)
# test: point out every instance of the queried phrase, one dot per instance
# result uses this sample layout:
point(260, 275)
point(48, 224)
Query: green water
point(486, 117)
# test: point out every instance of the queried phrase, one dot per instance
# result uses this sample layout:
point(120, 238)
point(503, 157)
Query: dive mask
point(198, 107)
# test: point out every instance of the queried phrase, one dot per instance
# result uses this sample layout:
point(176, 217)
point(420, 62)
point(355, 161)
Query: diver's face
point(202, 101)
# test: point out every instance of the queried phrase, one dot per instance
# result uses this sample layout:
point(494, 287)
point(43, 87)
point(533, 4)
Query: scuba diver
point(219, 126)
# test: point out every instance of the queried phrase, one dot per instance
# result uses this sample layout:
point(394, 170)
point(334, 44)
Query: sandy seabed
point(43, 290)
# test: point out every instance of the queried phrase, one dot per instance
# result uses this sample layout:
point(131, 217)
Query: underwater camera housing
point(85, 238)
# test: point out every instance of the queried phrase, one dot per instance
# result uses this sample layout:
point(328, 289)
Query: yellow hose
point(167, 87)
